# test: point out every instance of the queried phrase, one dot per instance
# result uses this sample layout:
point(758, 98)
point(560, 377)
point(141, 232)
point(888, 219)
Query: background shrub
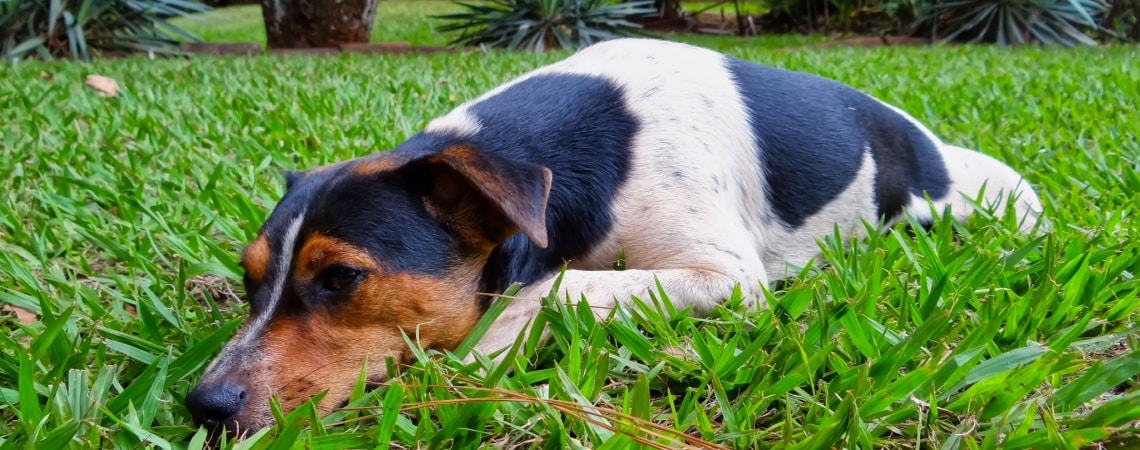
point(847, 16)
point(55, 28)
point(544, 24)
point(1007, 22)
point(1012, 22)
point(1122, 21)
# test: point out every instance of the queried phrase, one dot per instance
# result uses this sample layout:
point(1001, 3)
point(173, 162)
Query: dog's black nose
point(215, 405)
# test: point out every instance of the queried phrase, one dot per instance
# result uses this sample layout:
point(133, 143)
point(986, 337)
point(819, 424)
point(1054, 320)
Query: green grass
point(726, 8)
point(121, 220)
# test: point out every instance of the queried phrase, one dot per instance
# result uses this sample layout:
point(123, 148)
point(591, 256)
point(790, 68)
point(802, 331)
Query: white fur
point(459, 123)
point(719, 228)
point(792, 250)
point(237, 349)
point(284, 261)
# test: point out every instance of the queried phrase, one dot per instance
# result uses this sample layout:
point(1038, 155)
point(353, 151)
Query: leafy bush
point(848, 16)
point(544, 24)
point(1122, 21)
point(1007, 22)
point(56, 28)
point(1013, 22)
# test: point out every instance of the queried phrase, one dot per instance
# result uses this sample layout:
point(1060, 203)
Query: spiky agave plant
point(1014, 22)
point(543, 24)
point(77, 29)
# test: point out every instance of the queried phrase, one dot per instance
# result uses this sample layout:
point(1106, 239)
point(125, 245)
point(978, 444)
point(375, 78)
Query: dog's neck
point(517, 260)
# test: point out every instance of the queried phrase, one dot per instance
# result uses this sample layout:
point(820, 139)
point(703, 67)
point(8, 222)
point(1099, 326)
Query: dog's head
point(355, 255)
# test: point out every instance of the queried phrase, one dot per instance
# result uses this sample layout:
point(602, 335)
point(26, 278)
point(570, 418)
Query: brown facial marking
point(324, 349)
point(383, 162)
point(320, 251)
point(255, 258)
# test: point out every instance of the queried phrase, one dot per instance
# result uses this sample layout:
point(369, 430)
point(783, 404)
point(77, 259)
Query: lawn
point(121, 221)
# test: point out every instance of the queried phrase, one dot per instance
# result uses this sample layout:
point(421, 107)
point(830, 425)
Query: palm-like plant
point(544, 24)
point(1014, 22)
point(57, 28)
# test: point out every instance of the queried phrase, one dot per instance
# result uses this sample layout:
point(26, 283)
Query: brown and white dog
point(706, 170)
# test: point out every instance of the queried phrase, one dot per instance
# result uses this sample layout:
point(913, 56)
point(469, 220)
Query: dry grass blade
point(577, 410)
point(105, 86)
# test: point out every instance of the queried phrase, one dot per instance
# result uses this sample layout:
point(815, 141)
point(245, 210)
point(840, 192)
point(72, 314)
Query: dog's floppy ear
point(483, 197)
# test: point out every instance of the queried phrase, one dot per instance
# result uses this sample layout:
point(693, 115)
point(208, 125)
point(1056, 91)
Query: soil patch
point(219, 49)
point(253, 48)
point(864, 42)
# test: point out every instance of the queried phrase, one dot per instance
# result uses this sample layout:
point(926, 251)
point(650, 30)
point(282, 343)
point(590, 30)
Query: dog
point(710, 172)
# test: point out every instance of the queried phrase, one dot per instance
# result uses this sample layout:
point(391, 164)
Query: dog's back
point(686, 142)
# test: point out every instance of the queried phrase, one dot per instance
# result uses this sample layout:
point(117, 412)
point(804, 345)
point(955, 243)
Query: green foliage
point(58, 28)
point(1065, 23)
point(122, 218)
point(1122, 21)
point(848, 16)
point(543, 24)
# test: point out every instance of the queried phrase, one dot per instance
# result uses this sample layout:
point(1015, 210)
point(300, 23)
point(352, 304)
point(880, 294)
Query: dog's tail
point(978, 180)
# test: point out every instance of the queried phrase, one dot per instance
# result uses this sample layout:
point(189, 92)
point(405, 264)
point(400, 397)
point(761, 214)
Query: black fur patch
point(379, 214)
point(811, 133)
point(578, 127)
point(384, 215)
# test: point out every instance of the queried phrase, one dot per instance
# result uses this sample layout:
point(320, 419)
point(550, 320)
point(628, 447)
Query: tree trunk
point(317, 23)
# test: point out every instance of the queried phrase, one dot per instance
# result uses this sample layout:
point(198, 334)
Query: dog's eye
point(338, 277)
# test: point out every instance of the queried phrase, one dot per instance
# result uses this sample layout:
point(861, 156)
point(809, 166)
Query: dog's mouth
point(234, 429)
point(234, 400)
point(208, 409)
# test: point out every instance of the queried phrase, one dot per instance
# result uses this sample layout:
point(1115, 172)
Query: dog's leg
point(700, 289)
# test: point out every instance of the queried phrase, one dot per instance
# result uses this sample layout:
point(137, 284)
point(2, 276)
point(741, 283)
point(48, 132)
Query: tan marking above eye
point(255, 258)
point(320, 251)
